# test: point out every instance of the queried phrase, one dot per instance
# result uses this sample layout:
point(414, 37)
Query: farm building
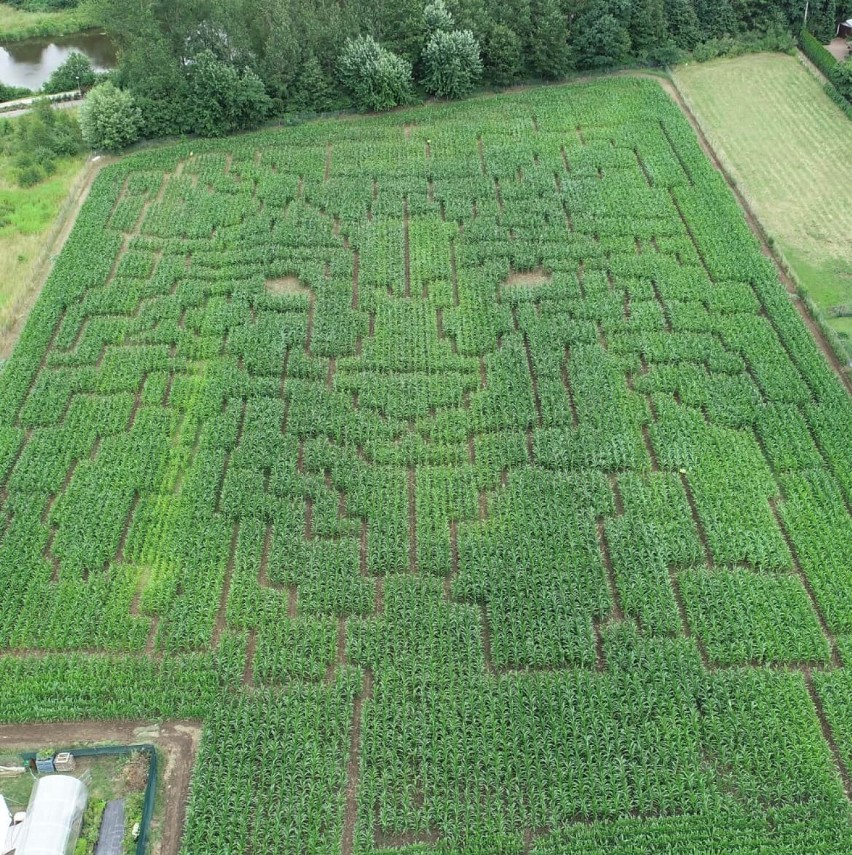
point(54, 817)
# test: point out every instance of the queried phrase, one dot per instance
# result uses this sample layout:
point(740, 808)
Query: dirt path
point(53, 242)
point(177, 740)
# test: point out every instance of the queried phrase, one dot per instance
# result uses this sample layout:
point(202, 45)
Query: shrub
point(452, 63)
point(75, 73)
point(376, 78)
point(841, 77)
point(109, 118)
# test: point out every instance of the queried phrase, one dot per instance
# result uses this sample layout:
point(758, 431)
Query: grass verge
point(16, 24)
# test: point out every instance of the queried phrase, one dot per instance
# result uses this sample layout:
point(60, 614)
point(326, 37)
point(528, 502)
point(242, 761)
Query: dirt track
point(178, 744)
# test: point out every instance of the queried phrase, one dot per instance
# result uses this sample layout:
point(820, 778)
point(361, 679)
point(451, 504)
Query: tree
point(223, 100)
point(312, 90)
point(75, 73)
point(437, 17)
point(501, 55)
point(683, 23)
point(547, 51)
point(648, 30)
point(376, 78)
point(452, 63)
point(109, 118)
point(602, 42)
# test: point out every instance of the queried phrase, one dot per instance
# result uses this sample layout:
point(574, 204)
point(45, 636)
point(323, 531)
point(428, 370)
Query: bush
point(75, 73)
point(109, 118)
point(841, 77)
point(223, 100)
point(452, 63)
point(839, 86)
point(376, 78)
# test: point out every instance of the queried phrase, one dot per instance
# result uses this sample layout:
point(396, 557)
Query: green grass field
point(467, 471)
point(788, 147)
point(16, 24)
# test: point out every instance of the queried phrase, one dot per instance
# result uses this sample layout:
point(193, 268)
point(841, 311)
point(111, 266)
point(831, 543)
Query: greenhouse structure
point(54, 816)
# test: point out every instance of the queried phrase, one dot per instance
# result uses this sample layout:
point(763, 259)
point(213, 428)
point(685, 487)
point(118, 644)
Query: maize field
point(467, 470)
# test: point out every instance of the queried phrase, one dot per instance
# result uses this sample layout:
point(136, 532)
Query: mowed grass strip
point(789, 148)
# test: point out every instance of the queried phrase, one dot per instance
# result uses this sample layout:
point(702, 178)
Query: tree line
point(215, 66)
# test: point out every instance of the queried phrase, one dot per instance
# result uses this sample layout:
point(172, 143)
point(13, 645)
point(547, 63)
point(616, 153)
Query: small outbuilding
point(844, 29)
point(54, 816)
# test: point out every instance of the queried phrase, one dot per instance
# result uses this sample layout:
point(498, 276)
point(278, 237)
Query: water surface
point(31, 62)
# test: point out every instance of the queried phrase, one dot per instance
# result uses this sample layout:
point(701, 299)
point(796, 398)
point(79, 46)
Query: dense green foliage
point(297, 47)
point(466, 469)
point(222, 99)
point(37, 140)
point(110, 119)
point(376, 78)
point(452, 63)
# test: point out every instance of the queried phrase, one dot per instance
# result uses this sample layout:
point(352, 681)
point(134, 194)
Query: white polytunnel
point(54, 816)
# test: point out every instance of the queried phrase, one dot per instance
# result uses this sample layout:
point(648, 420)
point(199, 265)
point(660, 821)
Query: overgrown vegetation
point(440, 562)
point(36, 141)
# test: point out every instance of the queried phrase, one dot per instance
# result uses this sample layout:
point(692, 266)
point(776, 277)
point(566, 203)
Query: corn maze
point(467, 470)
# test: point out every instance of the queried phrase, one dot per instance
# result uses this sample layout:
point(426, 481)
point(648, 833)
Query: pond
point(31, 62)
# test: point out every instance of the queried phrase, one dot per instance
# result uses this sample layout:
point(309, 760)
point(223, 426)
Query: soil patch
point(287, 285)
point(528, 279)
point(177, 741)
